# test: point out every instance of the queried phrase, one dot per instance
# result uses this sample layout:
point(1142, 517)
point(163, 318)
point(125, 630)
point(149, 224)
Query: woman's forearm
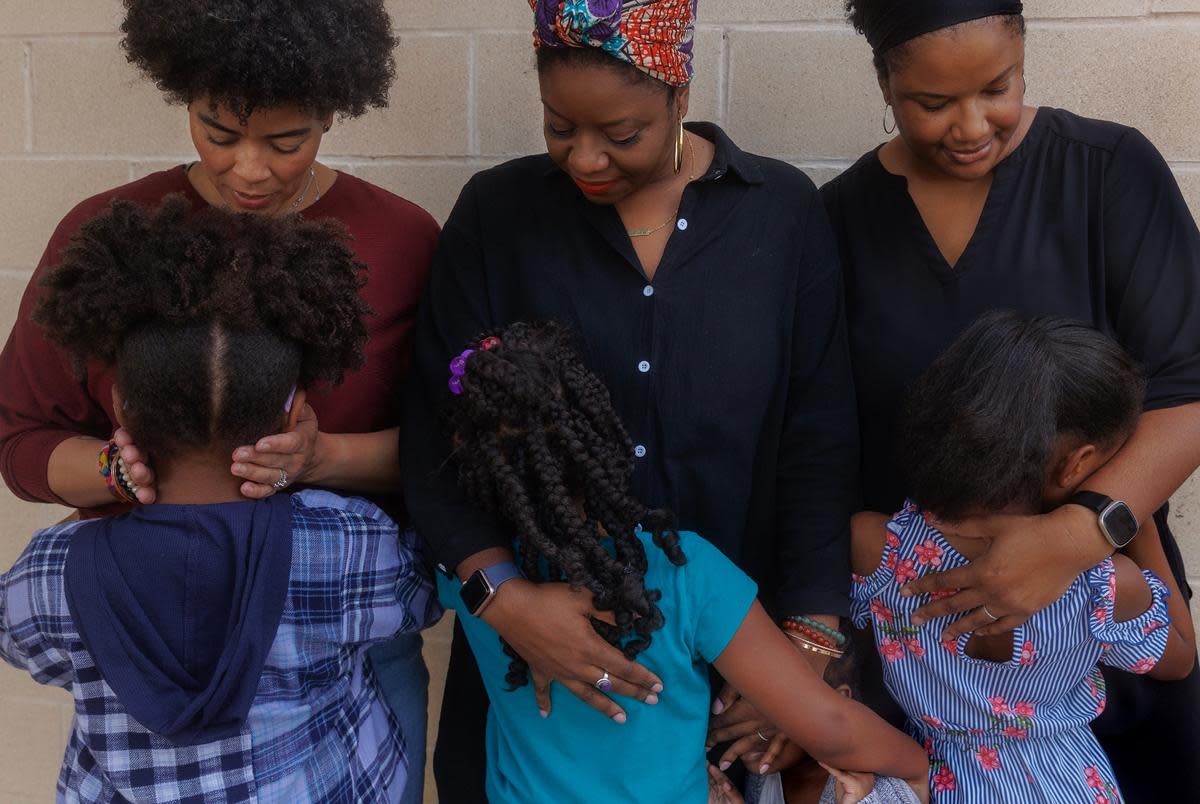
point(1155, 462)
point(363, 462)
point(1162, 453)
point(73, 473)
point(762, 663)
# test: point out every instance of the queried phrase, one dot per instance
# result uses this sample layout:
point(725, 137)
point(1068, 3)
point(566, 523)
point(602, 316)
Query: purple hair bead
point(458, 367)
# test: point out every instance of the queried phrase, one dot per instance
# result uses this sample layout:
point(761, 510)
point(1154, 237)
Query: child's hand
point(720, 789)
point(852, 787)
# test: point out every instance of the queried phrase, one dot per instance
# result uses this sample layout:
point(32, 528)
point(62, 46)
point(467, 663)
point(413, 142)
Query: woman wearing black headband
point(982, 202)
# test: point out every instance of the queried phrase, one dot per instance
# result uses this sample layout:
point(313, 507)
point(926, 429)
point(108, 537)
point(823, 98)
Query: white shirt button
point(644, 366)
point(682, 224)
point(639, 451)
point(648, 291)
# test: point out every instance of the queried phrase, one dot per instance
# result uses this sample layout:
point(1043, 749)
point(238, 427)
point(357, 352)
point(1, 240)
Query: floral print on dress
point(1106, 791)
point(989, 758)
point(986, 724)
point(942, 780)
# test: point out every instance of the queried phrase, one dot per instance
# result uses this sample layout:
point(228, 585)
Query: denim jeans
point(404, 681)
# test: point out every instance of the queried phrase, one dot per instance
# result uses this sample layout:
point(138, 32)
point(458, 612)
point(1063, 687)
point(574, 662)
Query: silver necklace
point(312, 176)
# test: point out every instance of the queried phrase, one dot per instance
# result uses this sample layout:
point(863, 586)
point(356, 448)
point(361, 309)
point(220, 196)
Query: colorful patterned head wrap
point(655, 36)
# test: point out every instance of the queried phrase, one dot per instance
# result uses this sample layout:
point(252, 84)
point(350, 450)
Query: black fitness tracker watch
point(1117, 522)
point(478, 590)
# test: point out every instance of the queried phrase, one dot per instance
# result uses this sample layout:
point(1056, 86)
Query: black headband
point(902, 20)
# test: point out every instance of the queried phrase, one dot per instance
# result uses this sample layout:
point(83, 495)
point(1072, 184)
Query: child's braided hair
point(537, 441)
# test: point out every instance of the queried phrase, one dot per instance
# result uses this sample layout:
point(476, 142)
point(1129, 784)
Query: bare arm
point(761, 662)
point(1133, 598)
point(74, 475)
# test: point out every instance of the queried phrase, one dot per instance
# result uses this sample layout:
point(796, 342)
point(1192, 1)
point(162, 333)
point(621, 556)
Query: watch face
point(1119, 524)
point(474, 592)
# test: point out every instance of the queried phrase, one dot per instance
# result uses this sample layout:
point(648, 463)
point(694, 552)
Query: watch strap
point(490, 579)
point(1092, 500)
point(499, 573)
point(1116, 521)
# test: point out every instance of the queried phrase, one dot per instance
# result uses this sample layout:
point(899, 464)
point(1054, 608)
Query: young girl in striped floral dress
point(1013, 418)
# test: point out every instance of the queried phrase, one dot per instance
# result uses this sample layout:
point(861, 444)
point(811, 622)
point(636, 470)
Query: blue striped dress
point(1015, 731)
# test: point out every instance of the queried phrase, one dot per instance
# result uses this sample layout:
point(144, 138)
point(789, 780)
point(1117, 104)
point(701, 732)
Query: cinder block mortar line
point(62, 37)
point(814, 24)
point(723, 81)
point(352, 161)
point(473, 139)
point(27, 78)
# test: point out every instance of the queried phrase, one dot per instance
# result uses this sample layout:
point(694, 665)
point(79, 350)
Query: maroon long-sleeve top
point(43, 403)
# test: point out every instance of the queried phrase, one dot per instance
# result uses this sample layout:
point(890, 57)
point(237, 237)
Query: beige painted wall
point(785, 77)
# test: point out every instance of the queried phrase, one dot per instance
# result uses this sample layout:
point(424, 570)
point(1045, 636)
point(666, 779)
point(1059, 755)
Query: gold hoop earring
point(679, 143)
point(886, 108)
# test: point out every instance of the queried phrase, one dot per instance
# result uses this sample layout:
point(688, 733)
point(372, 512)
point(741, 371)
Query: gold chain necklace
point(669, 221)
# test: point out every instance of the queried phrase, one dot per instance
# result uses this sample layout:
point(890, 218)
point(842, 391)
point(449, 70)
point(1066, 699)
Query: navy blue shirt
point(730, 369)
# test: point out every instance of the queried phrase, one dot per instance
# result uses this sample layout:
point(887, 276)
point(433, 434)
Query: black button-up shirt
point(730, 369)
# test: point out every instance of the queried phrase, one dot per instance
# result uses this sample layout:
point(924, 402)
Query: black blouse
point(730, 369)
point(1084, 219)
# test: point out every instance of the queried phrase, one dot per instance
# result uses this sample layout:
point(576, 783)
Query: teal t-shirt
point(579, 755)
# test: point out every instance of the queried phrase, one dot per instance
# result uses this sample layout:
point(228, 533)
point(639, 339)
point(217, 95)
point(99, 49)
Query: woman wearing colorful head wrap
point(982, 202)
point(704, 282)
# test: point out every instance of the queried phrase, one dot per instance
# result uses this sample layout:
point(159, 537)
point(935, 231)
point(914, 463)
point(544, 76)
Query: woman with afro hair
point(214, 645)
point(978, 202)
point(262, 82)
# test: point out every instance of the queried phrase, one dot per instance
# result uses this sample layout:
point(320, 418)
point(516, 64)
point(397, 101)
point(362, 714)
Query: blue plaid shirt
point(318, 730)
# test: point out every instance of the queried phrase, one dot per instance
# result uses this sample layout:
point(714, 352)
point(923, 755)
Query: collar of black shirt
point(727, 159)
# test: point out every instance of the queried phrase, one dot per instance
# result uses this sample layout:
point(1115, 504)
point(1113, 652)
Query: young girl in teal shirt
point(538, 443)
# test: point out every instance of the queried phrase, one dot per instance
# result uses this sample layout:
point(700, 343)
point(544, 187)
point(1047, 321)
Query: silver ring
point(604, 683)
point(760, 736)
point(984, 609)
point(282, 482)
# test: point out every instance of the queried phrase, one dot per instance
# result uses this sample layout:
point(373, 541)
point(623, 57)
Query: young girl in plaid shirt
point(215, 646)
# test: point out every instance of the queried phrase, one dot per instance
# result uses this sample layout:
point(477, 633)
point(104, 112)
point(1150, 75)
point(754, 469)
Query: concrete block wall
point(785, 77)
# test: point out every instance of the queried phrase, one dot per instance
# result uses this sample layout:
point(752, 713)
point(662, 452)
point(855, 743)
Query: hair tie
point(458, 365)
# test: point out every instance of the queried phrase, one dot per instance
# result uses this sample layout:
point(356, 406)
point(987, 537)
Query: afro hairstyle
point(210, 318)
point(326, 57)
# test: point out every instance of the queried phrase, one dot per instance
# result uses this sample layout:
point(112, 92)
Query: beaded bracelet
point(810, 634)
point(837, 636)
point(116, 475)
point(814, 648)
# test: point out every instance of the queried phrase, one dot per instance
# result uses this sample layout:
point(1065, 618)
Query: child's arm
point(868, 534)
point(30, 596)
point(762, 663)
point(1133, 598)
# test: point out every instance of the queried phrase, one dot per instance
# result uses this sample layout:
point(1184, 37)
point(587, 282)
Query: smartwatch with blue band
point(478, 590)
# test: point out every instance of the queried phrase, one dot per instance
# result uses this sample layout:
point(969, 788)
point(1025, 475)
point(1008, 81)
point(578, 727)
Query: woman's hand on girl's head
point(1030, 563)
point(294, 452)
point(135, 463)
point(549, 626)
